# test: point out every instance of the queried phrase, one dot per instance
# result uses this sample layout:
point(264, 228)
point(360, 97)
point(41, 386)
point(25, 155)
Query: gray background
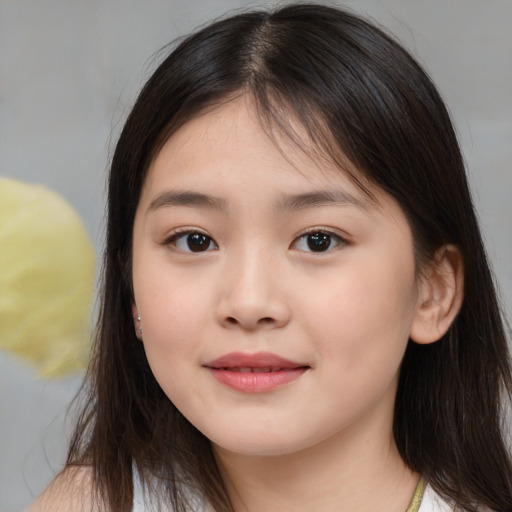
point(69, 71)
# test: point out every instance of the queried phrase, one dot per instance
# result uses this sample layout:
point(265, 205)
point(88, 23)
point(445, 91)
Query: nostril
point(262, 321)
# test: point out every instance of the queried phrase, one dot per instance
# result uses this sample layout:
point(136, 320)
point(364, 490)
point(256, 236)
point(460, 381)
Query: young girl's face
point(276, 299)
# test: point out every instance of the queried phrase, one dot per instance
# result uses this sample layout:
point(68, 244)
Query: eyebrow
point(302, 201)
point(187, 198)
point(319, 198)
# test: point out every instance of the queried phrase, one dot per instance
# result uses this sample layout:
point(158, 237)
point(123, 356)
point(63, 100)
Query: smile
point(255, 373)
point(267, 369)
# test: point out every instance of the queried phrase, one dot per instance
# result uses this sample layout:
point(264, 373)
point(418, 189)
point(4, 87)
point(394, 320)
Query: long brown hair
point(360, 96)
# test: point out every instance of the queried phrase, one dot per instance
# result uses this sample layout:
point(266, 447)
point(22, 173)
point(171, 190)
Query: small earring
point(140, 325)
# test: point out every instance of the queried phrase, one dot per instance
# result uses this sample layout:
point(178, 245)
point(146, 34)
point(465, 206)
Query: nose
point(253, 295)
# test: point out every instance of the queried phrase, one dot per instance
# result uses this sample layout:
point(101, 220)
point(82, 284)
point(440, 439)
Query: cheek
point(364, 318)
point(362, 330)
point(167, 296)
point(172, 318)
point(173, 315)
point(171, 339)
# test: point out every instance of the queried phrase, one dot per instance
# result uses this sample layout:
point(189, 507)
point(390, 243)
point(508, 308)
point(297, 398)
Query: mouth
point(255, 373)
point(266, 369)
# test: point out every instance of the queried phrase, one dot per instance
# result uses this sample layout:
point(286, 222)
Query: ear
point(440, 295)
point(137, 321)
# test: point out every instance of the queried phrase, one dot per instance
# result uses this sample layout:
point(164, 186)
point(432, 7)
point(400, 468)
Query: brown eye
point(197, 242)
point(318, 241)
point(192, 241)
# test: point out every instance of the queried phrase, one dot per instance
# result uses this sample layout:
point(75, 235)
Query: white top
point(431, 501)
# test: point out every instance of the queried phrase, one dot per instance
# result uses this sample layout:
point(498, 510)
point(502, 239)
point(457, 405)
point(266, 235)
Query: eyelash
point(340, 241)
point(329, 235)
point(185, 232)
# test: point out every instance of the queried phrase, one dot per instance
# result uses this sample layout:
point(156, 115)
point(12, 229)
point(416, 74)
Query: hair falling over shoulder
point(357, 93)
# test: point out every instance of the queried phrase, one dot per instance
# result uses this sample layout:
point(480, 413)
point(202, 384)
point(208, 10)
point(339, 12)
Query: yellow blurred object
point(47, 268)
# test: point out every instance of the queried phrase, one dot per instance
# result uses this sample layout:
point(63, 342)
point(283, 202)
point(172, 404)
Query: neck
point(360, 471)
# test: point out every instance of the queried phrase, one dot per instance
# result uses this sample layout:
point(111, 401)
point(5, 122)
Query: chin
point(258, 444)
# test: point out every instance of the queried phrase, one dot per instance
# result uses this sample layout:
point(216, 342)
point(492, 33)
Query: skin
point(323, 441)
point(346, 313)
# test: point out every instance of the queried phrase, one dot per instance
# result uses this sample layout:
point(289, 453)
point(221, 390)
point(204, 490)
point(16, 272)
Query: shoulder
point(70, 491)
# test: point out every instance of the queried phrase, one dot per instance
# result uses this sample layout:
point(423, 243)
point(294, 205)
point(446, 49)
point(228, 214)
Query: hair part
point(360, 98)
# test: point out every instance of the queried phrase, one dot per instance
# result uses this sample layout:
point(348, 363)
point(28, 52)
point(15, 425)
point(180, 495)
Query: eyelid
point(176, 232)
point(180, 232)
point(342, 239)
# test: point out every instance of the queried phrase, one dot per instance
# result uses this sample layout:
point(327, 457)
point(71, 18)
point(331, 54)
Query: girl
point(297, 309)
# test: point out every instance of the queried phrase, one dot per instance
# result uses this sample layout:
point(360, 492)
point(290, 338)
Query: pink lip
point(255, 373)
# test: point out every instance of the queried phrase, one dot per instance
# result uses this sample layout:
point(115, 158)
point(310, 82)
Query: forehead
point(231, 139)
